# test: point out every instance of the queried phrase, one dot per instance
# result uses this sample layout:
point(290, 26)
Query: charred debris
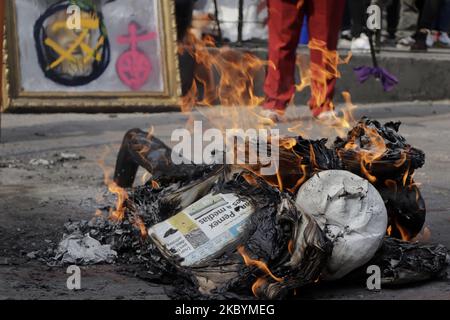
point(224, 231)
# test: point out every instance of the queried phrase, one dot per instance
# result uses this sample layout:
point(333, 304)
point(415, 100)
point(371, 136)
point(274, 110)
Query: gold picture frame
point(15, 98)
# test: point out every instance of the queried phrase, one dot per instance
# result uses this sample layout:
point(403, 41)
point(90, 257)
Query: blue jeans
point(443, 21)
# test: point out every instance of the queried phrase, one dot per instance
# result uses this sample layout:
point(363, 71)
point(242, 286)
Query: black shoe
point(421, 42)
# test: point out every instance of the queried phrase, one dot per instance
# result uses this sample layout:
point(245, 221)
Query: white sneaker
point(344, 44)
point(328, 118)
point(346, 34)
point(444, 39)
point(271, 117)
point(361, 44)
point(405, 42)
point(431, 38)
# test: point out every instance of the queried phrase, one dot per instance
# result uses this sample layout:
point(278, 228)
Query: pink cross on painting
point(133, 66)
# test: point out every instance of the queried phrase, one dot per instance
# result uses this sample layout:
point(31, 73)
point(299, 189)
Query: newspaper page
point(204, 228)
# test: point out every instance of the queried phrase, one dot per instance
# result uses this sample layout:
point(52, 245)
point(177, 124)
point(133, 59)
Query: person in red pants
point(285, 23)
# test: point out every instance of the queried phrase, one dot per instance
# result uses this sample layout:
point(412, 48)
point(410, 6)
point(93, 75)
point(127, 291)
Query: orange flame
point(403, 232)
point(155, 184)
point(139, 223)
point(400, 161)
point(304, 71)
point(226, 77)
point(145, 177)
point(261, 266)
point(280, 180)
point(317, 76)
point(122, 195)
point(417, 193)
point(118, 214)
point(288, 143)
point(258, 283)
point(256, 263)
point(364, 170)
point(250, 179)
point(405, 176)
point(348, 118)
point(376, 149)
point(291, 247)
point(389, 230)
point(312, 156)
point(405, 235)
point(303, 168)
point(236, 69)
point(321, 74)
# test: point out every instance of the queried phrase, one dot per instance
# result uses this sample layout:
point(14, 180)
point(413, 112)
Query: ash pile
point(225, 231)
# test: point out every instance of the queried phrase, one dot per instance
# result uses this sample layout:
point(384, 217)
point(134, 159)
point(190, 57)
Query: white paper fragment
point(40, 162)
point(352, 214)
point(84, 250)
point(67, 156)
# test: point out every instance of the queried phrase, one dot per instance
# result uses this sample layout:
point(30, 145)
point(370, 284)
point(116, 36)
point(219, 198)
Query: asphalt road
point(36, 200)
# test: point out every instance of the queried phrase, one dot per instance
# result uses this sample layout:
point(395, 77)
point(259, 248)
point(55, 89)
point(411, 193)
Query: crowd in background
point(428, 19)
point(414, 24)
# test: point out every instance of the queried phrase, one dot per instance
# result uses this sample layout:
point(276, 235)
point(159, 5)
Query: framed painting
point(95, 54)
